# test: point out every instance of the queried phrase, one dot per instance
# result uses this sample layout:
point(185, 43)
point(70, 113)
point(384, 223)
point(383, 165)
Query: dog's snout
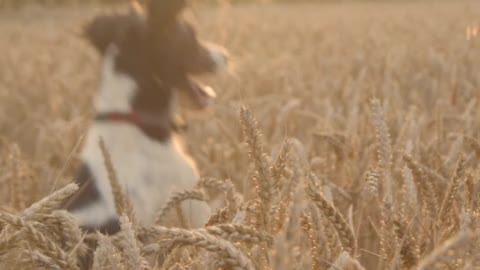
point(210, 58)
point(220, 59)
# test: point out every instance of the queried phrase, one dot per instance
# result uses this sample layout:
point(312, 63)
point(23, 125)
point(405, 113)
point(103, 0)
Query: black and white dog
point(148, 57)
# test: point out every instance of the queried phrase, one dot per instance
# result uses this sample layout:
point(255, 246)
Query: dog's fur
point(147, 59)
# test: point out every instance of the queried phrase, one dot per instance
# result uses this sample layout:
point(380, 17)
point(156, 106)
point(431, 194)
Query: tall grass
point(347, 137)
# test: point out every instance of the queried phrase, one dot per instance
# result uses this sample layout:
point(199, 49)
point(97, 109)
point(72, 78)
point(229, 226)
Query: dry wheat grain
point(344, 230)
point(231, 256)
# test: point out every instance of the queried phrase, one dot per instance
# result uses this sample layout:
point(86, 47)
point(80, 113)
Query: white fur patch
point(149, 171)
point(116, 89)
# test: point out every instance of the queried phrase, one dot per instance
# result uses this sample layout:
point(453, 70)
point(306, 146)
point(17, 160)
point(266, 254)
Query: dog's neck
point(116, 90)
point(113, 104)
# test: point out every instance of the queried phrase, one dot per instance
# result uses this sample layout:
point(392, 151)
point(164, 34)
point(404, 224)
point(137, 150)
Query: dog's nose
point(221, 59)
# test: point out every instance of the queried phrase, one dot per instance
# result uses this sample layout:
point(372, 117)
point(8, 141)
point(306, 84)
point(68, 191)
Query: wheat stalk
point(176, 199)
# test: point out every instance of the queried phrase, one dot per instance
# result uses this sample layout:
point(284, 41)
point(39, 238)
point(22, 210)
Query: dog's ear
point(108, 29)
point(101, 32)
point(162, 12)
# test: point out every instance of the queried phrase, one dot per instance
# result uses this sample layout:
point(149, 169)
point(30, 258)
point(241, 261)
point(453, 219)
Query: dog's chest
point(148, 171)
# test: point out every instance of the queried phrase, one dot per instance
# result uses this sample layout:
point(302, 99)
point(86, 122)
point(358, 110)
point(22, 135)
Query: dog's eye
point(186, 31)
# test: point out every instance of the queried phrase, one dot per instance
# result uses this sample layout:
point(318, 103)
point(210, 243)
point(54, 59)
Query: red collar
point(177, 124)
point(132, 117)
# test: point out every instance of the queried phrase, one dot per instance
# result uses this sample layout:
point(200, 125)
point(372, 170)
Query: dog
point(149, 56)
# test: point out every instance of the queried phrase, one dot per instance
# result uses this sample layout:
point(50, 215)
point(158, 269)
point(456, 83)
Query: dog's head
point(159, 50)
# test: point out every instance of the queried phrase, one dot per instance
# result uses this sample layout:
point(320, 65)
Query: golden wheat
point(359, 148)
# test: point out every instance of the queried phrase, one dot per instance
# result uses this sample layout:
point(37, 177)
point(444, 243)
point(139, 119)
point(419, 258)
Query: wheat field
point(345, 137)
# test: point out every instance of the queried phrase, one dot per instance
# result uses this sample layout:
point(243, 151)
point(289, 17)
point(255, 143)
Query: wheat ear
point(262, 180)
point(129, 246)
point(384, 146)
point(452, 189)
point(239, 233)
point(447, 251)
point(233, 257)
point(311, 230)
point(52, 202)
point(123, 204)
point(106, 256)
point(47, 247)
point(344, 231)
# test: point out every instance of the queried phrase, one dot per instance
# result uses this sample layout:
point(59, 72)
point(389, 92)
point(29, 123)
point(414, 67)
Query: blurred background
point(20, 3)
point(307, 69)
point(304, 67)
